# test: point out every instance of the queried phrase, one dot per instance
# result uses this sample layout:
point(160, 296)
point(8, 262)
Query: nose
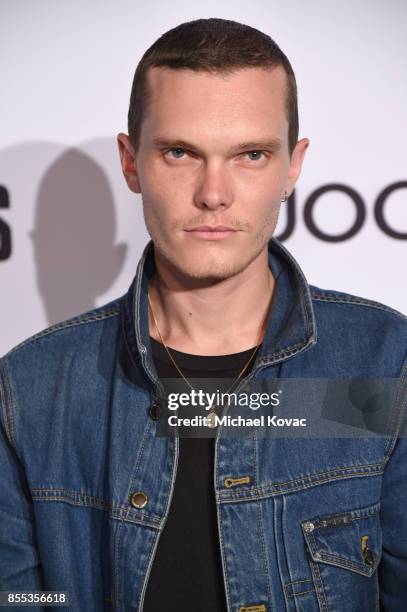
point(214, 189)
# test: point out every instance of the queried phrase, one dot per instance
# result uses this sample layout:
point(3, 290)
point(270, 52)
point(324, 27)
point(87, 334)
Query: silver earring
point(285, 197)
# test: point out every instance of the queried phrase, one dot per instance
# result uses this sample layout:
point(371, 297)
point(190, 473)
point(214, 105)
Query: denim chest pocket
point(344, 550)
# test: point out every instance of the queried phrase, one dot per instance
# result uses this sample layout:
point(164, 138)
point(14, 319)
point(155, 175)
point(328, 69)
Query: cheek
point(163, 189)
point(261, 187)
point(270, 217)
point(263, 215)
point(262, 208)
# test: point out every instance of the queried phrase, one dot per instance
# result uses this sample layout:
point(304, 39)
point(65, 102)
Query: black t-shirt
point(187, 570)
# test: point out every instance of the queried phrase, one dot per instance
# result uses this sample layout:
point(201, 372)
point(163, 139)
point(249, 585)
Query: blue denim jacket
point(78, 442)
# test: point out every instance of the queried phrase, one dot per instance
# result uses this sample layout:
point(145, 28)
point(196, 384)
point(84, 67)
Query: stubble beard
point(215, 269)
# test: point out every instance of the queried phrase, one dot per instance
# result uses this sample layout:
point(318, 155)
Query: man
point(93, 501)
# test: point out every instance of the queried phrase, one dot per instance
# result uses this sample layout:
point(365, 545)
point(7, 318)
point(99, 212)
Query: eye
point(256, 154)
point(178, 152)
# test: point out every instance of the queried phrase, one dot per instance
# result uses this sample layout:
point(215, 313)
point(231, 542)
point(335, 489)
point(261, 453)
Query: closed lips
point(206, 228)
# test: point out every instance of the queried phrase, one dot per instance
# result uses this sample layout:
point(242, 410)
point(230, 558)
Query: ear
point(297, 157)
point(128, 162)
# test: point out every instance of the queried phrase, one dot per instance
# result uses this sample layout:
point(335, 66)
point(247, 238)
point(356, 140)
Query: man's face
point(213, 152)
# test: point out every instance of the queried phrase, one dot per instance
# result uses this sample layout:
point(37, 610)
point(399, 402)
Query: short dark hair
point(211, 45)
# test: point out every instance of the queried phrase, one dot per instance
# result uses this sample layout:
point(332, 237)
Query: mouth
point(207, 232)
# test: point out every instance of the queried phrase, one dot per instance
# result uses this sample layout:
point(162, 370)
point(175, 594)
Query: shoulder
point(62, 361)
point(357, 315)
point(72, 333)
point(358, 304)
point(369, 330)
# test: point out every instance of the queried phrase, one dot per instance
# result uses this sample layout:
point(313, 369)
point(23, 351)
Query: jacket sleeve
point(393, 565)
point(20, 568)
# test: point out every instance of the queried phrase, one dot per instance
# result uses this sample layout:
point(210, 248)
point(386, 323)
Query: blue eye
point(178, 150)
point(255, 153)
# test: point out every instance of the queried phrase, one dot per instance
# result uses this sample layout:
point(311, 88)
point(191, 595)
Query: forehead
point(189, 99)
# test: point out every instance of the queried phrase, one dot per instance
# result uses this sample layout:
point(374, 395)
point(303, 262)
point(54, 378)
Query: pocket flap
point(351, 539)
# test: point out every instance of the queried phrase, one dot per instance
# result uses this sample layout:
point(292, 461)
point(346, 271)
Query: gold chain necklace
point(211, 416)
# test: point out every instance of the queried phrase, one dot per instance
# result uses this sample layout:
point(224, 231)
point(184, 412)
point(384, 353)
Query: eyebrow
point(272, 144)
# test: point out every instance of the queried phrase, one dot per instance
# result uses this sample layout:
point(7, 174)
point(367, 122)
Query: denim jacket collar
point(291, 325)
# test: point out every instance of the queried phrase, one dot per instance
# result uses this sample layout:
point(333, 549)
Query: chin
point(206, 266)
point(210, 276)
point(198, 266)
point(211, 270)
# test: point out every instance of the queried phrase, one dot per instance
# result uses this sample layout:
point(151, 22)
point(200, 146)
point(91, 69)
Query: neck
point(227, 317)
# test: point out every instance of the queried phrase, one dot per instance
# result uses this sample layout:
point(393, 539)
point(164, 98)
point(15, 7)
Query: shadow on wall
point(73, 240)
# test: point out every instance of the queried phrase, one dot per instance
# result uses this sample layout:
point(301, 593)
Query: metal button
point(154, 411)
point(308, 526)
point(138, 499)
point(232, 482)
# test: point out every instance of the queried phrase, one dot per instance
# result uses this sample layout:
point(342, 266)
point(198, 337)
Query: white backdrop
point(76, 232)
